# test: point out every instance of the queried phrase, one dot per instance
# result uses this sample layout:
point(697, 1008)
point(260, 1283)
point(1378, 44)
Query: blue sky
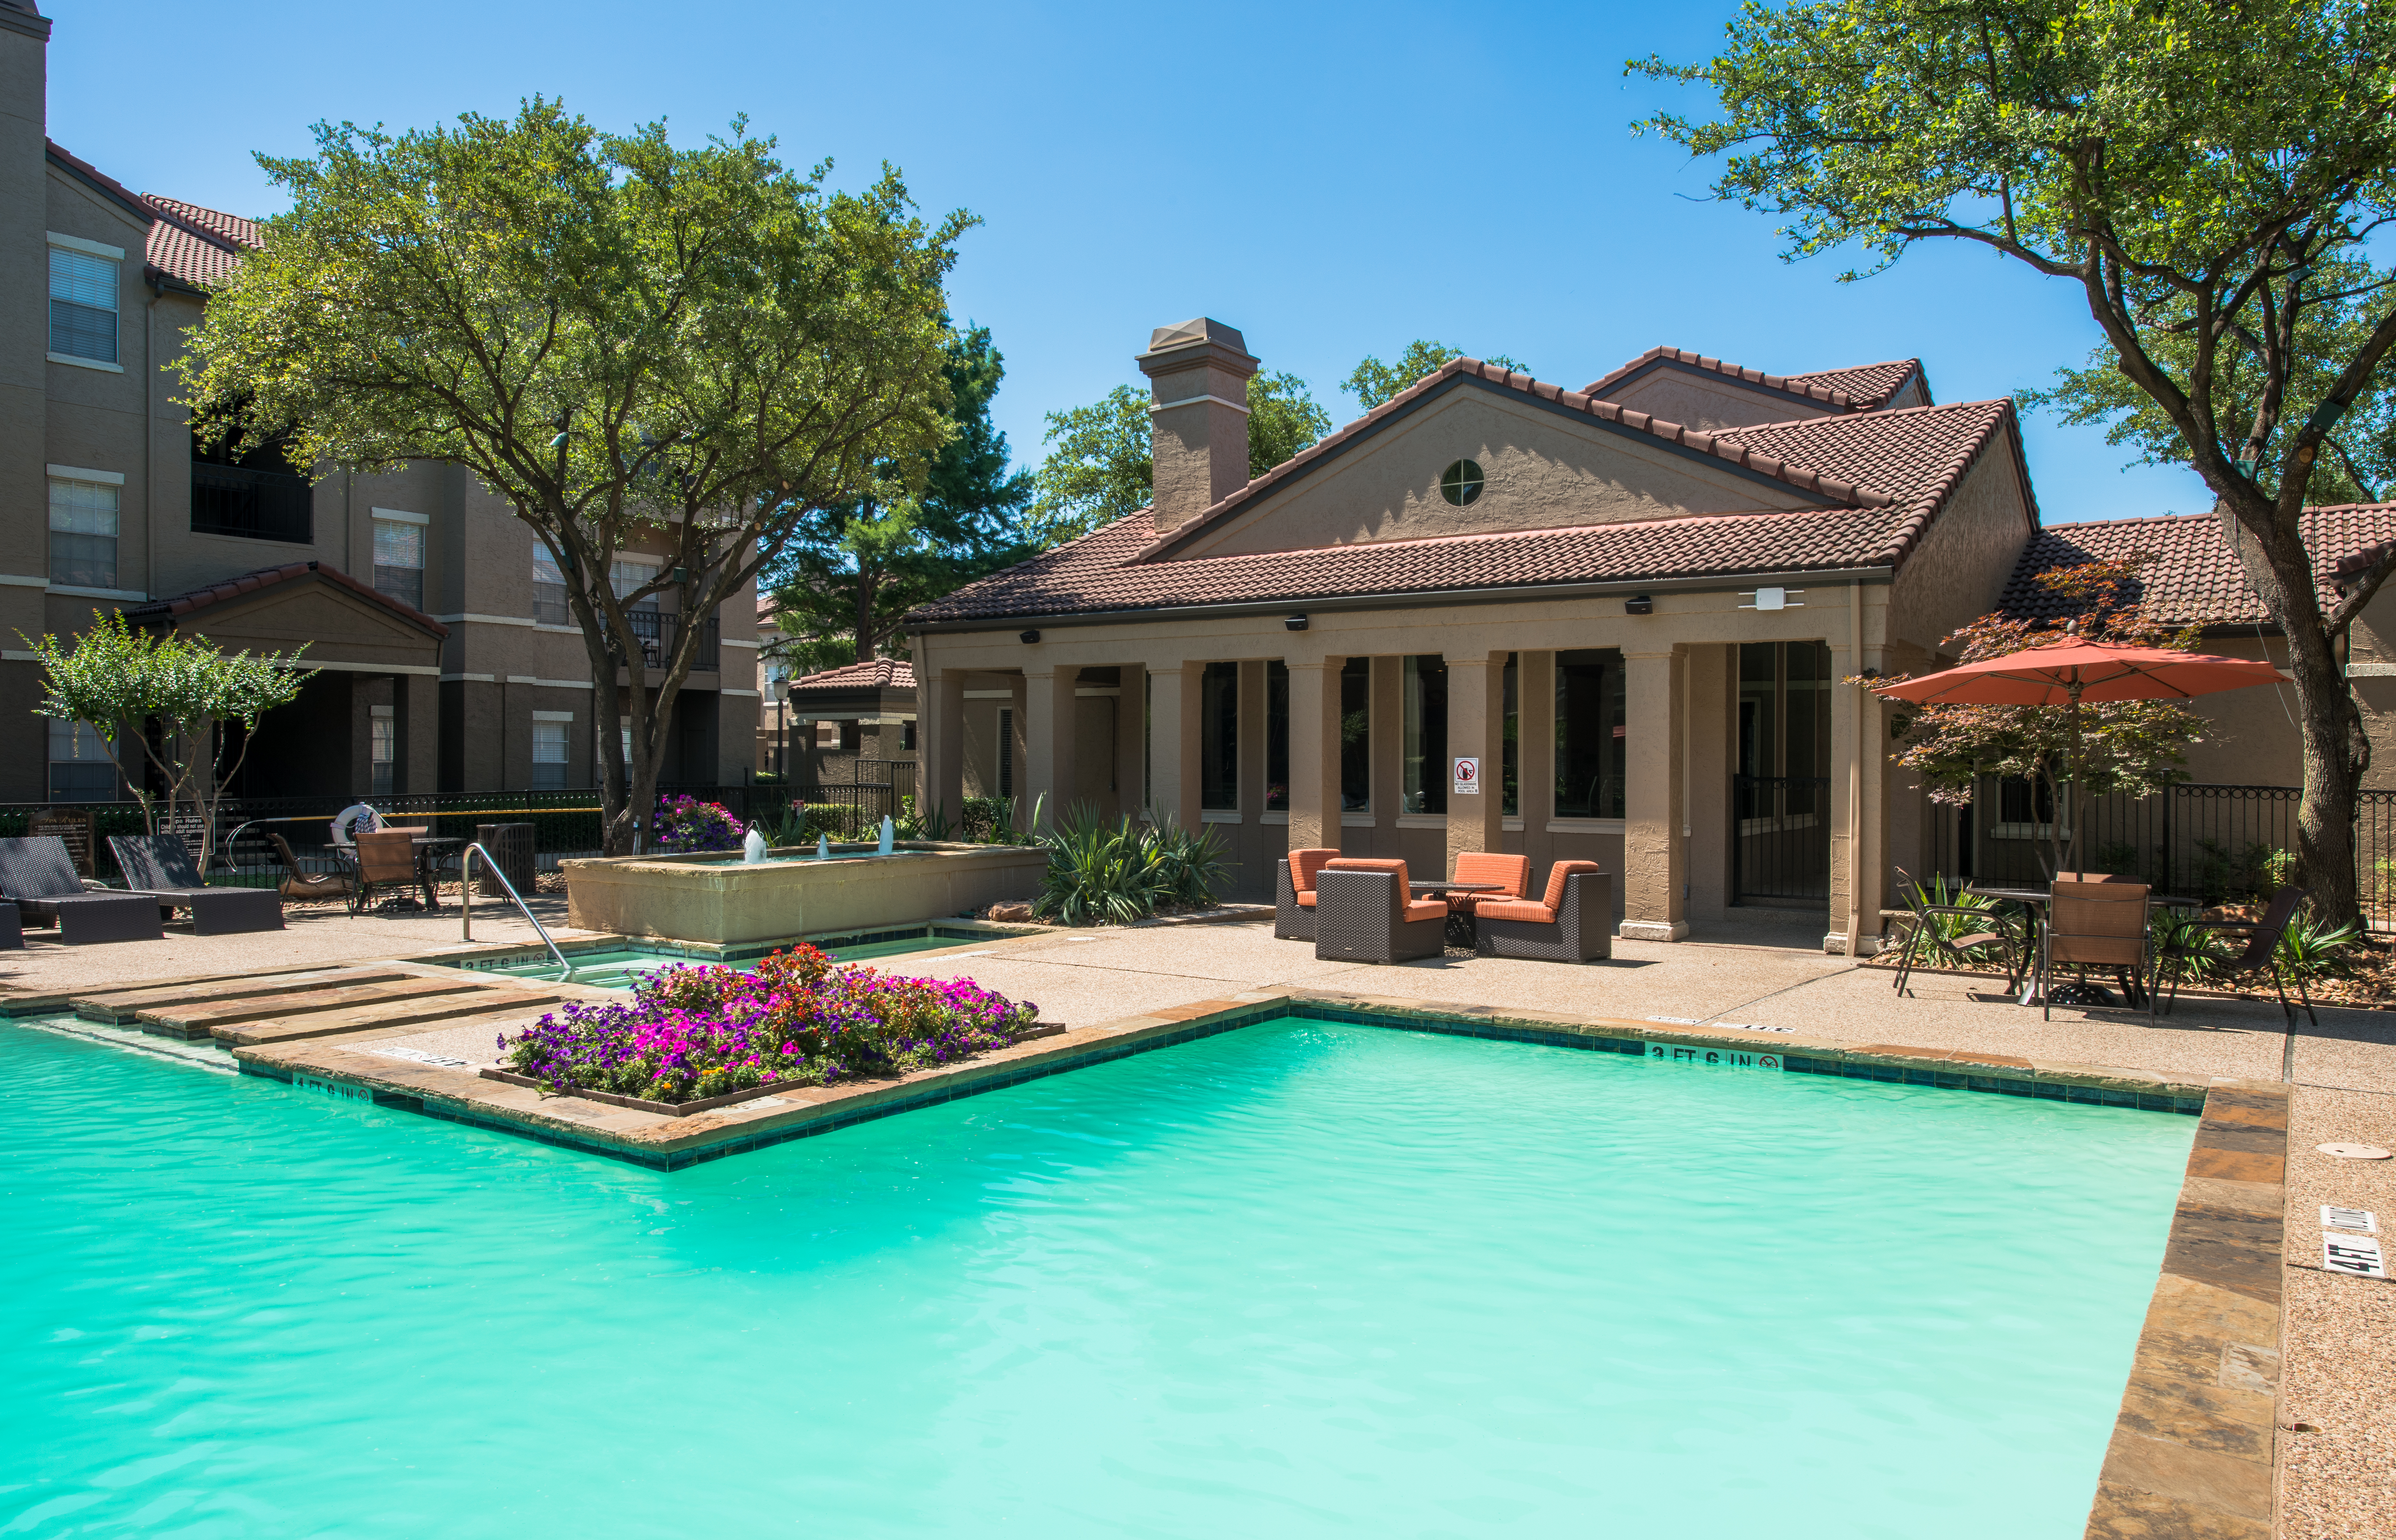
point(1332, 179)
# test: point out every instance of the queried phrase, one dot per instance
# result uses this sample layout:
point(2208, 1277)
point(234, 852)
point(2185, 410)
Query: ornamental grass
point(797, 1018)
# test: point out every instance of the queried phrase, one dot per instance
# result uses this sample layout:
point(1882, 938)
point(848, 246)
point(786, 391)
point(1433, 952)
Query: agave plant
point(1954, 927)
point(1190, 861)
point(1099, 873)
point(2308, 948)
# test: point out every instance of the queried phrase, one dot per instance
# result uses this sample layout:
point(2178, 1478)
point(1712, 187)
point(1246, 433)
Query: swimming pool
point(618, 968)
point(1299, 1279)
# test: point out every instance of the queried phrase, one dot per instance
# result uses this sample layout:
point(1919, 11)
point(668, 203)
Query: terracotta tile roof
point(175, 608)
point(874, 673)
point(1855, 390)
point(231, 229)
point(1910, 459)
point(2191, 577)
point(1868, 384)
point(108, 186)
point(194, 246)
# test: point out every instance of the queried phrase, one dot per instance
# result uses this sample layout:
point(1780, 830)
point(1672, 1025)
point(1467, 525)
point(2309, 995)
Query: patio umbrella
point(2074, 670)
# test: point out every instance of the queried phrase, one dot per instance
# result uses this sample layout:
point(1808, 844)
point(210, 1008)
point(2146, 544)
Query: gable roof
point(2191, 577)
point(188, 246)
point(1859, 389)
point(170, 610)
point(1891, 472)
point(874, 673)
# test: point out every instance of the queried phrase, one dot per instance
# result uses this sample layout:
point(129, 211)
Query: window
point(1590, 734)
point(80, 768)
point(399, 559)
point(1423, 787)
point(383, 750)
point(83, 533)
point(1006, 753)
point(1511, 766)
point(628, 576)
point(547, 588)
point(1218, 738)
point(907, 735)
point(83, 305)
point(1460, 483)
point(1356, 734)
point(548, 737)
point(1276, 736)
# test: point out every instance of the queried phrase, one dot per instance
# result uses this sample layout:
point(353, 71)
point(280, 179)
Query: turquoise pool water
point(1297, 1279)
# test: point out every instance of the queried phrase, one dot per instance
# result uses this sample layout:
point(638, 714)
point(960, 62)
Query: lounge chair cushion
point(1306, 899)
point(1410, 910)
point(1516, 909)
point(1489, 866)
point(1424, 909)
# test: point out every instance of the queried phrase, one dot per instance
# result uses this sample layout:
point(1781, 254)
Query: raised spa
point(726, 900)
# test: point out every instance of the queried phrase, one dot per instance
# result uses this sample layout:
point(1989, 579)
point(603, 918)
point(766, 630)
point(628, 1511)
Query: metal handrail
point(466, 903)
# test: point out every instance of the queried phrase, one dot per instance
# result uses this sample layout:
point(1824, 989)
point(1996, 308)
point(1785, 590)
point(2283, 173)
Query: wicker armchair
point(1488, 865)
point(1363, 912)
point(2104, 925)
point(1294, 894)
point(1572, 923)
point(39, 875)
point(160, 865)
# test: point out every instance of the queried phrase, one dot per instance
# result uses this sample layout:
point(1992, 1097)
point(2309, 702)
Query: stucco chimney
point(1199, 424)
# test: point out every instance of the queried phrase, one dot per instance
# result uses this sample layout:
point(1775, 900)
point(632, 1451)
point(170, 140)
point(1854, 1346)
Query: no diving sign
point(1468, 778)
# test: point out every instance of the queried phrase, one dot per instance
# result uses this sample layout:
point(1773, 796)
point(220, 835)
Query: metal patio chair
point(1924, 935)
point(2103, 925)
point(386, 859)
point(2262, 954)
point(307, 885)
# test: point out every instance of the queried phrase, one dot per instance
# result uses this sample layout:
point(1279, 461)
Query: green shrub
point(2310, 946)
point(1988, 914)
point(1099, 873)
point(1190, 861)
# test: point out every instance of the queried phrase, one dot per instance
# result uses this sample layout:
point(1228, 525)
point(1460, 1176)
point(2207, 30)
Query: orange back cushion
point(1361, 863)
point(1556, 875)
point(1304, 864)
point(1489, 866)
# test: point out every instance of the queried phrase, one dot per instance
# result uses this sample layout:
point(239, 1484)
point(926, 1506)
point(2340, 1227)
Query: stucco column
point(1387, 695)
point(942, 715)
point(1858, 808)
point(1315, 754)
point(1048, 744)
point(1173, 744)
point(1654, 866)
point(1710, 731)
point(1535, 683)
point(1476, 725)
point(1131, 739)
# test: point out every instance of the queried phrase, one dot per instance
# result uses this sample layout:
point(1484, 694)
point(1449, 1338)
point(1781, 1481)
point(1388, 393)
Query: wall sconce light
point(1296, 622)
point(1026, 637)
point(1642, 604)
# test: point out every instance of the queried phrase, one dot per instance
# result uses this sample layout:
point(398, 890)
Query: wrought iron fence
point(2206, 841)
point(1780, 839)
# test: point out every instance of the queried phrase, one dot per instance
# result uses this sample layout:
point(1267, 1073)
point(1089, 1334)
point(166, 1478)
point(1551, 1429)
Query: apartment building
point(446, 659)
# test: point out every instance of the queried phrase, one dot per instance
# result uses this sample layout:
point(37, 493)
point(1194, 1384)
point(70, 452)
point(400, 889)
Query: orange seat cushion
point(1491, 866)
point(1556, 875)
point(1306, 899)
point(1516, 909)
point(1304, 864)
point(1425, 909)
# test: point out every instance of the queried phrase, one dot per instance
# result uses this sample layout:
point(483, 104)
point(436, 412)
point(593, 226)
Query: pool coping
point(2193, 1448)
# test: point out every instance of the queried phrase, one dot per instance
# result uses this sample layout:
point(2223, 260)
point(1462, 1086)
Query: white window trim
point(490, 619)
point(553, 716)
point(130, 596)
point(81, 363)
point(83, 473)
point(399, 517)
point(528, 679)
point(1586, 826)
point(1422, 820)
point(380, 712)
point(1218, 816)
point(1363, 819)
point(89, 248)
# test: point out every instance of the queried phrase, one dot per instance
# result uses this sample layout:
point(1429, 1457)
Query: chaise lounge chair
point(1363, 912)
point(39, 876)
point(161, 866)
point(1573, 923)
point(1295, 898)
point(304, 885)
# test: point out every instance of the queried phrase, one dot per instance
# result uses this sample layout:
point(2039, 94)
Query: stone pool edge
point(671, 1142)
point(2195, 1445)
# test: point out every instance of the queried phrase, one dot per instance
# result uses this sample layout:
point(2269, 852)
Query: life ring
point(355, 819)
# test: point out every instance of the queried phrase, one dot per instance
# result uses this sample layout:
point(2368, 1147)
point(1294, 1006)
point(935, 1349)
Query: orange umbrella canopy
point(2102, 671)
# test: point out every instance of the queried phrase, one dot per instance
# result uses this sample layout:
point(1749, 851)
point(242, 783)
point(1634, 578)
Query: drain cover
point(2353, 1152)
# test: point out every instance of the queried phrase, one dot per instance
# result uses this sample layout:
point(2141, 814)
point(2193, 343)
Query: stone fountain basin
point(724, 899)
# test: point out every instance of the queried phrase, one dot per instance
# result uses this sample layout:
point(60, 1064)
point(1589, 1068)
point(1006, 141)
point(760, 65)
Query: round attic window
point(1460, 483)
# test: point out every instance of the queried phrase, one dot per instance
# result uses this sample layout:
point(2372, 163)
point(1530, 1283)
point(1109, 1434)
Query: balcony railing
point(256, 505)
point(658, 632)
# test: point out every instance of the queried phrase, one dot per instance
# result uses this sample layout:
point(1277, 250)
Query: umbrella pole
point(2071, 806)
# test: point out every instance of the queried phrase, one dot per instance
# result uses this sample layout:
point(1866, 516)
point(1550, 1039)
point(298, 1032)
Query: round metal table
point(1459, 925)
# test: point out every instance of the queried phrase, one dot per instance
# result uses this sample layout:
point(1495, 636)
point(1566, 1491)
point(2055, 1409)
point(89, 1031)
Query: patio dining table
point(2035, 902)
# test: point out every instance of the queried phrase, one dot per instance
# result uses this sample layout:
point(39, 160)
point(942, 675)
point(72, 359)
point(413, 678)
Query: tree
point(1100, 468)
point(2134, 747)
point(1373, 382)
point(844, 577)
point(2211, 177)
point(680, 353)
point(169, 693)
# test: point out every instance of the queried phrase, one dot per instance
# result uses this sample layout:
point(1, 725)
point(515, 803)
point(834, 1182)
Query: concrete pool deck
point(2337, 1335)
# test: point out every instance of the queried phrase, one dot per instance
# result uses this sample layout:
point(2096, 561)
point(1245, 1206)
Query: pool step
point(201, 1019)
point(122, 1006)
point(380, 1019)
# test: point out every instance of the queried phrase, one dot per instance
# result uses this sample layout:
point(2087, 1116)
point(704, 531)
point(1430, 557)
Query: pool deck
point(325, 1001)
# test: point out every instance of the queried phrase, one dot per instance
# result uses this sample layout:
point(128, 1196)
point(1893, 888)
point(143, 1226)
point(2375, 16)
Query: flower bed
point(687, 824)
point(696, 1033)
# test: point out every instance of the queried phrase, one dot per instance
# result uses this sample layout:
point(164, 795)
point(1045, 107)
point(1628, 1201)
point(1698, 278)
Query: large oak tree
point(681, 352)
point(2211, 179)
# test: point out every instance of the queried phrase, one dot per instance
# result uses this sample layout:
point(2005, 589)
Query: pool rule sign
point(1468, 779)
